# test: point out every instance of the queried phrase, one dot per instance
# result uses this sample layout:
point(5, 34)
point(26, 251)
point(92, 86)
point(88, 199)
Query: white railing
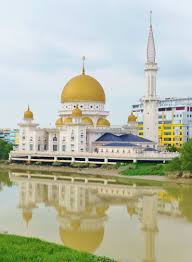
point(142, 155)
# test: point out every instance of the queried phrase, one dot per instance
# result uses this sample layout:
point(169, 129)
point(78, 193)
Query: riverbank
point(61, 169)
point(17, 249)
point(96, 172)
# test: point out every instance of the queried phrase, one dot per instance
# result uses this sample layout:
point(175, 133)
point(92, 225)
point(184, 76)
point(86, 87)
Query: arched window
point(54, 139)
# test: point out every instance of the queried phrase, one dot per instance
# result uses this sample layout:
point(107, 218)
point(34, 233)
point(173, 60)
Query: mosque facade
point(83, 127)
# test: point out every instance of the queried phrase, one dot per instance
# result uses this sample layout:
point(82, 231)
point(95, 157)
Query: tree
point(5, 148)
point(172, 149)
point(186, 155)
point(184, 161)
point(174, 165)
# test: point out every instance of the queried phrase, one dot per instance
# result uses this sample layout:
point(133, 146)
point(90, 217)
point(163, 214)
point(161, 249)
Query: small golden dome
point(59, 122)
point(87, 121)
point(132, 118)
point(27, 215)
point(28, 114)
point(77, 112)
point(103, 122)
point(83, 88)
point(67, 120)
point(131, 211)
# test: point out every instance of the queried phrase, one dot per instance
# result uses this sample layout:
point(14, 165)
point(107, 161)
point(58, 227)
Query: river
point(133, 223)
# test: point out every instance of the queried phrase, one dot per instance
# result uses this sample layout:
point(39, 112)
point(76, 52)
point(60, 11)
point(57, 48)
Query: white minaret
point(150, 100)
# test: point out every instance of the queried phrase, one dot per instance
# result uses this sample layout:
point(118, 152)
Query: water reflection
point(83, 208)
point(4, 179)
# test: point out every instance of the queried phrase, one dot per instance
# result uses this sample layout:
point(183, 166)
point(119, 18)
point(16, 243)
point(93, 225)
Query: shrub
point(56, 164)
point(38, 163)
point(79, 165)
point(93, 165)
point(5, 148)
point(107, 166)
point(140, 169)
point(174, 165)
point(186, 156)
point(172, 149)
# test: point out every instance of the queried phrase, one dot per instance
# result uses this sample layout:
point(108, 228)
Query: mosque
point(83, 129)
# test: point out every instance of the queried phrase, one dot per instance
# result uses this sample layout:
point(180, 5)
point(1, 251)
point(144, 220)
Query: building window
point(31, 147)
point(45, 147)
point(64, 148)
point(167, 139)
point(55, 139)
point(38, 147)
point(167, 133)
point(54, 147)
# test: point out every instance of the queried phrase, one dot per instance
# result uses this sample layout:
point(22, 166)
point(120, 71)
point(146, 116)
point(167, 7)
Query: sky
point(42, 44)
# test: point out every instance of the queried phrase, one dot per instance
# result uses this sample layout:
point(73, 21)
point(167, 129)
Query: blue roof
point(121, 144)
point(149, 149)
point(122, 138)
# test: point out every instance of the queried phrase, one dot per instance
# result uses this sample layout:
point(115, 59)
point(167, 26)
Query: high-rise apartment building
point(10, 135)
point(174, 120)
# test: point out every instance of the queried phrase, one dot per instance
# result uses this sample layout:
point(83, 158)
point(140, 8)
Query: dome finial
point(28, 109)
point(83, 68)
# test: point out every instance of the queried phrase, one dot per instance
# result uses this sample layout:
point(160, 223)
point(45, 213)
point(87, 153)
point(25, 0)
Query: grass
point(139, 169)
point(18, 249)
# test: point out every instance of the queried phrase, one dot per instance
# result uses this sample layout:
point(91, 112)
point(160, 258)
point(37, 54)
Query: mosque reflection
point(82, 208)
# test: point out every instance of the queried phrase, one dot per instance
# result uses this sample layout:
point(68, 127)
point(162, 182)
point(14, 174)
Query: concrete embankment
point(95, 171)
point(61, 169)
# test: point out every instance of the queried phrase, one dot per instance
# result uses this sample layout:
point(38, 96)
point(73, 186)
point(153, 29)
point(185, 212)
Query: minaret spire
point(150, 100)
point(83, 67)
point(151, 44)
point(150, 18)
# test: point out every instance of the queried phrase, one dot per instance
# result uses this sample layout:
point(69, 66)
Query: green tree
point(5, 148)
point(172, 149)
point(186, 155)
point(174, 165)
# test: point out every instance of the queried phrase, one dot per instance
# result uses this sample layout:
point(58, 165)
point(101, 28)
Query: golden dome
point(103, 122)
point(27, 215)
point(67, 120)
point(87, 121)
point(83, 88)
point(87, 241)
point(77, 112)
point(131, 211)
point(59, 122)
point(28, 114)
point(132, 118)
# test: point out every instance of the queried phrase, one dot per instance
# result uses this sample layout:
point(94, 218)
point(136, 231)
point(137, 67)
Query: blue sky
point(42, 43)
